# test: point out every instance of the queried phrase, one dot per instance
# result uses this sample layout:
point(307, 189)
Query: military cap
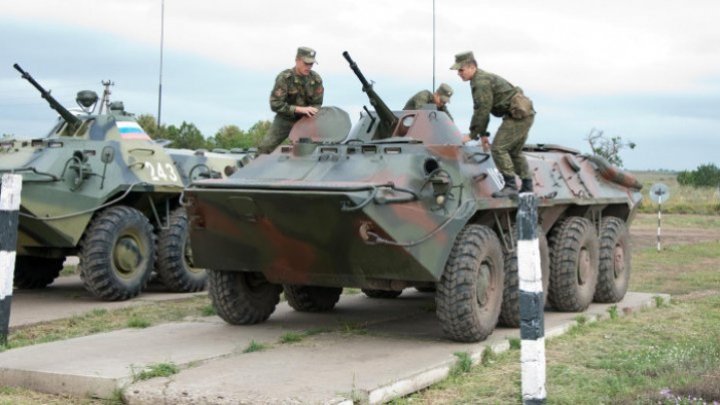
point(445, 92)
point(461, 59)
point(306, 54)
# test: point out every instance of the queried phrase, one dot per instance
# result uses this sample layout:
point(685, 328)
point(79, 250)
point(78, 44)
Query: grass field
point(683, 199)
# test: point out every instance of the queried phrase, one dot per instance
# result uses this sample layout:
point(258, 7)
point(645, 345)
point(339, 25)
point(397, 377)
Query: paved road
point(372, 350)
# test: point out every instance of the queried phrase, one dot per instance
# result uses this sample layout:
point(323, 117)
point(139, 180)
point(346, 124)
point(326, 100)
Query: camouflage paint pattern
point(369, 212)
point(290, 90)
point(508, 144)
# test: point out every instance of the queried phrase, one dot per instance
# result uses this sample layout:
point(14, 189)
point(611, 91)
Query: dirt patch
point(645, 237)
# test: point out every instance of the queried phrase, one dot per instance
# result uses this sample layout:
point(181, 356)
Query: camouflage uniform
point(491, 95)
point(419, 100)
point(291, 90)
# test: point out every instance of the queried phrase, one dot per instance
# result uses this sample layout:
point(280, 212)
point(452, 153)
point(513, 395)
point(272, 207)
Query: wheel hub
point(584, 266)
point(127, 255)
point(483, 283)
point(619, 261)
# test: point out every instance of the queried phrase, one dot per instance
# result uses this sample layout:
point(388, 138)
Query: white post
point(9, 207)
point(659, 220)
point(532, 321)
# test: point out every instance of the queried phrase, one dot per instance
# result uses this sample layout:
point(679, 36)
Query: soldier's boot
point(527, 186)
point(510, 189)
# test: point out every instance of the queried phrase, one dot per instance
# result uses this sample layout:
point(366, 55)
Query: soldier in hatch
point(440, 98)
point(298, 92)
point(493, 94)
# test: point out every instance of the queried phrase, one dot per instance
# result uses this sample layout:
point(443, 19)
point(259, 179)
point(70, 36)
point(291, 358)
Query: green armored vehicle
point(401, 202)
point(98, 187)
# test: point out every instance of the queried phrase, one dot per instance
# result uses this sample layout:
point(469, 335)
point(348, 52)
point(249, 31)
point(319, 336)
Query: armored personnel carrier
point(98, 187)
point(401, 202)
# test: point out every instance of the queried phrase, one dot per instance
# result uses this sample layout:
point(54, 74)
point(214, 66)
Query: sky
point(647, 71)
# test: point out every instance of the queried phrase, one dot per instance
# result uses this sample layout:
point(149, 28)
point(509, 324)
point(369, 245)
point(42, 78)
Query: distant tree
point(228, 137)
point(187, 136)
point(149, 124)
point(707, 175)
point(256, 133)
point(609, 148)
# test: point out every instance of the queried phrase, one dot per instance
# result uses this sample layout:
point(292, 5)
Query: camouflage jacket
point(293, 90)
point(491, 94)
point(419, 100)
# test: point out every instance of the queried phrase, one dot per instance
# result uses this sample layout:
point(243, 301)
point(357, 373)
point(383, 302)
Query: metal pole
point(11, 189)
point(162, 39)
point(532, 321)
point(433, 56)
point(659, 220)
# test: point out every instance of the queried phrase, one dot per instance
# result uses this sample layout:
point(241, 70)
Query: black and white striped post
point(532, 321)
point(9, 206)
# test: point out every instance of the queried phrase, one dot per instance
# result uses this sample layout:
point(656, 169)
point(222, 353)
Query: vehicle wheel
point(381, 293)
point(307, 298)
point(510, 310)
point(614, 267)
point(470, 290)
point(242, 298)
point(32, 272)
point(174, 265)
point(573, 264)
point(426, 289)
point(117, 253)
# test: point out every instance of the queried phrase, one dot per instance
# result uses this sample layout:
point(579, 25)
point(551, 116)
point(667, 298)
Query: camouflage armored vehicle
point(98, 187)
point(400, 202)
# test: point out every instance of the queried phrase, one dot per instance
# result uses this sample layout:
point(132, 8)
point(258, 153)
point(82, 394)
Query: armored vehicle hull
point(98, 187)
point(401, 202)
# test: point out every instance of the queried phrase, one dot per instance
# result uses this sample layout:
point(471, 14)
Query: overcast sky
point(648, 71)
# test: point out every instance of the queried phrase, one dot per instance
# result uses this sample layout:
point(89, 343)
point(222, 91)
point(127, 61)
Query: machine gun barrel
point(387, 118)
point(54, 104)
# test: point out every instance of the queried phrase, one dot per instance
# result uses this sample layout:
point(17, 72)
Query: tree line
point(188, 136)
point(707, 175)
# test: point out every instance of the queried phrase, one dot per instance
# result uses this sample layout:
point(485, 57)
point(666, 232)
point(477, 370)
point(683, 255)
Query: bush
point(707, 175)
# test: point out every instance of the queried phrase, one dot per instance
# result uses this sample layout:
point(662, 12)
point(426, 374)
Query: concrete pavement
point(371, 350)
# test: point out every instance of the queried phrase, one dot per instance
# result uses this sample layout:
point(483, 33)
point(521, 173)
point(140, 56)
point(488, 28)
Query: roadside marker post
point(659, 192)
point(9, 207)
point(532, 320)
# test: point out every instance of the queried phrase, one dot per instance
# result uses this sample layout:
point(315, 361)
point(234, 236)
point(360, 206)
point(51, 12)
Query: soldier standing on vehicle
point(441, 97)
point(298, 92)
point(494, 95)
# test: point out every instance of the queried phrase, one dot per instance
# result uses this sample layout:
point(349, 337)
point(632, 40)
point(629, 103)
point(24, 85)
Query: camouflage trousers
point(507, 146)
point(278, 132)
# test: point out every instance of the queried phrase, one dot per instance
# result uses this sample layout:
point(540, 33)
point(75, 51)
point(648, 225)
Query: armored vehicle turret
point(98, 187)
point(401, 202)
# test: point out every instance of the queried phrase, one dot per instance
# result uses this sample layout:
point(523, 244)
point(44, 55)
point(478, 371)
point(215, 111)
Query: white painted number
point(158, 173)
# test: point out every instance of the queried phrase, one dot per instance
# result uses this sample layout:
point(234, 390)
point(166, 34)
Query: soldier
point(298, 92)
point(493, 94)
point(440, 98)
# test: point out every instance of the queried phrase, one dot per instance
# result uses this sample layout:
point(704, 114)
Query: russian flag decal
point(131, 130)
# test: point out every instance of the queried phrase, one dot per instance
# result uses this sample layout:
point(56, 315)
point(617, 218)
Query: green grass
point(254, 346)
point(652, 356)
point(156, 370)
point(102, 320)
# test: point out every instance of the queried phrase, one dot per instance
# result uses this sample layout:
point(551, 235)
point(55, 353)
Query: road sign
point(659, 193)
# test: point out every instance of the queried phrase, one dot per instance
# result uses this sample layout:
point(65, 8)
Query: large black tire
point(242, 298)
point(574, 251)
point(469, 293)
point(117, 253)
point(381, 293)
point(174, 267)
point(614, 268)
point(32, 272)
point(307, 298)
point(510, 310)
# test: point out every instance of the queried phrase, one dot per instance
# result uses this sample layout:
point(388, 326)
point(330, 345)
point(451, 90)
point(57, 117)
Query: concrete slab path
point(370, 350)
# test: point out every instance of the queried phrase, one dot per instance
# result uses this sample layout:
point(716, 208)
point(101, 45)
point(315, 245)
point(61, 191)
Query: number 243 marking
point(157, 172)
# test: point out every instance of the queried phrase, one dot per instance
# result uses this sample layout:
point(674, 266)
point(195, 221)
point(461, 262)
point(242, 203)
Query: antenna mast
point(433, 39)
point(162, 35)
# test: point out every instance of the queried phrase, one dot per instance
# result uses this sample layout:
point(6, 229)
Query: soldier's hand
point(485, 143)
point(307, 111)
point(466, 138)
